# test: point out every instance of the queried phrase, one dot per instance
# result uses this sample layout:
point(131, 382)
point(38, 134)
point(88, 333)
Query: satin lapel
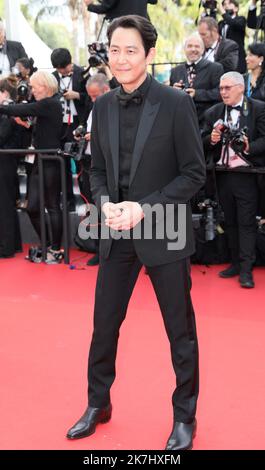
point(145, 125)
point(114, 127)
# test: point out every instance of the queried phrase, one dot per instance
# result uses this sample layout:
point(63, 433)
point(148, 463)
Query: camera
point(23, 92)
point(233, 136)
point(77, 149)
point(98, 54)
point(210, 8)
point(208, 219)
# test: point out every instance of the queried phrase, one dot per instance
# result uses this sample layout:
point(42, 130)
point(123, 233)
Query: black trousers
point(10, 240)
point(52, 191)
point(116, 279)
point(238, 197)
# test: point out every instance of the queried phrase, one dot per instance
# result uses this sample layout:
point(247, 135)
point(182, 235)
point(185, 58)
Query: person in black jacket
point(73, 96)
point(115, 8)
point(10, 241)
point(218, 49)
point(199, 77)
point(146, 153)
point(47, 135)
point(237, 191)
point(233, 26)
point(10, 52)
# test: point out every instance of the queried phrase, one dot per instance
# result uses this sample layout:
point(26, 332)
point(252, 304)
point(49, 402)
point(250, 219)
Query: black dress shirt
point(129, 122)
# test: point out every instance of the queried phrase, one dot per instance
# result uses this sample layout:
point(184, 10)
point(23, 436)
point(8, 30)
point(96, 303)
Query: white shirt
point(69, 109)
point(4, 65)
point(88, 128)
point(209, 55)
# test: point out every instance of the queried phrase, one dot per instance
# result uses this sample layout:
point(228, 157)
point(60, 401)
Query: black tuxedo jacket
point(206, 84)
point(167, 166)
point(255, 121)
point(79, 86)
point(227, 54)
point(236, 31)
point(115, 8)
point(14, 51)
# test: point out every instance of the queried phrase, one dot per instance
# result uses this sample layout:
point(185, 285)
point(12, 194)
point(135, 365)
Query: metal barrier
point(42, 155)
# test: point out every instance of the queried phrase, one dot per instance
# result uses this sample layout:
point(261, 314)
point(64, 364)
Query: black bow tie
point(191, 67)
point(126, 98)
point(65, 76)
point(237, 108)
point(207, 49)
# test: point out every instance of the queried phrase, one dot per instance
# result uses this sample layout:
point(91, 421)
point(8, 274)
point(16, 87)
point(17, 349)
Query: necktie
point(126, 98)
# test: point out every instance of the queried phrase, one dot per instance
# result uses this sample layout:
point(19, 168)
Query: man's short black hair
point(146, 30)
point(235, 2)
point(60, 58)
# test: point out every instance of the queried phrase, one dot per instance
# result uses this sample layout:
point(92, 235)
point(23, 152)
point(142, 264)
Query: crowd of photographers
point(53, 110)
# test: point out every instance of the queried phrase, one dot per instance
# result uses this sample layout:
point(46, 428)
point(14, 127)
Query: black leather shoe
point(182, 436)
point(88, 422)
point(246, 280)
point(231, 271)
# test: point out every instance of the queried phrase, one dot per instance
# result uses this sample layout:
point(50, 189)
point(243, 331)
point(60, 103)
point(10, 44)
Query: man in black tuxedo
point(146, 152)
point(233, 26)
point(217, 49)
point(198, 77)
point(237, 190)
point(73, 94)
point(116, 8)
point(10, 52)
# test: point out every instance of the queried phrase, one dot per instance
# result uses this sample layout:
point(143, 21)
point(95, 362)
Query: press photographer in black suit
point(198, 77)
point(217, 49)
point(73, 97)
point(237, 191)
point(115, 8)
point(10, 241)
point(146, 150)
point(47, 133)
point(233, 27)
point(10, 52)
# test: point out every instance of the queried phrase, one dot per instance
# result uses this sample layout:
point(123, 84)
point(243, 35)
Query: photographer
point(198, 77)
point(73, 98)
point(9, 227)
point(116, 8)
point(96, 86)
point(233, 27)
point(25, 69)
point(47, 134)
point(10, 52)
point(237, 191)
point(217, 49)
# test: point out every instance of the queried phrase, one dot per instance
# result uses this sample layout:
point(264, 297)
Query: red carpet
point(45, 328)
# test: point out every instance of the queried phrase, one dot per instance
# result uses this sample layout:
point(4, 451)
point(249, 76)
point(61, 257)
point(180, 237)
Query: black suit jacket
point(14, 51)
point(227, 54)
point(255, 121)
point(206, 84)
point(79, 86)
point(167, 162)
point(115, 8)
point(236, 31)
